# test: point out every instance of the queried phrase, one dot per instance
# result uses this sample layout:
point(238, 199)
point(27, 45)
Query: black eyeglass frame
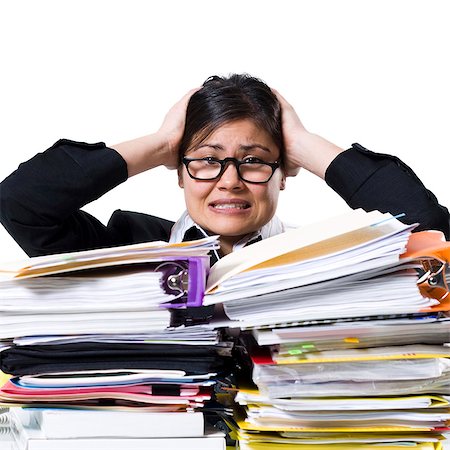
point(223, 164)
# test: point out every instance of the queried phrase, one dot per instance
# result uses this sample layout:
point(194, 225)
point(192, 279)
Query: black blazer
point(40, 202)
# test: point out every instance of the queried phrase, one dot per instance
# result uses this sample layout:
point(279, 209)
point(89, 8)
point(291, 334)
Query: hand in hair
point(172, 129)
point(160, 148)
point(302, 148)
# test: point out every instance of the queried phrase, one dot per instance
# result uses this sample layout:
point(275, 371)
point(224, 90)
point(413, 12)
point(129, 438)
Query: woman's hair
point(224, 99)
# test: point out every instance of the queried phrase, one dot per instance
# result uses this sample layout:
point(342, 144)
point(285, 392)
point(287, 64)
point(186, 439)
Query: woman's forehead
point(243, 135)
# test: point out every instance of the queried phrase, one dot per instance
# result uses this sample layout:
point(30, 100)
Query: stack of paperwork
point(347, 349)
point(90, 354)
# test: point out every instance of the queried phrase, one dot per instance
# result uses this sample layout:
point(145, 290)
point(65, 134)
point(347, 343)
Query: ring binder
point(185, 276)
point(4, 417)
point(430, 248)
point(179, 281)
point(433, 278)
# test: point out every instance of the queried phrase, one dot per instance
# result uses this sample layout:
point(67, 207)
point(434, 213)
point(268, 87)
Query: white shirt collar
point(185, 222)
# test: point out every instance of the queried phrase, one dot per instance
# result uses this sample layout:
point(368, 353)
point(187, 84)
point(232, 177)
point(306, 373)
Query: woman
point(234, 141)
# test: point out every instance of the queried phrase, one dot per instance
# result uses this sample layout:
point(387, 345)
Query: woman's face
point(229, 206)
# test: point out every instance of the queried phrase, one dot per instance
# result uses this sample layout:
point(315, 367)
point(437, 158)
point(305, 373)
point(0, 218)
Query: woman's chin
point(232, 225)
point(231, 230)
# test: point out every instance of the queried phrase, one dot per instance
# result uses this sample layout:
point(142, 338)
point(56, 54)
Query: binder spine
point(198, 269)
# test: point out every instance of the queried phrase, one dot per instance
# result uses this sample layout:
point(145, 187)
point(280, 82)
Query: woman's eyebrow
point(251, 147)
point(242, 147)
point(214, 146)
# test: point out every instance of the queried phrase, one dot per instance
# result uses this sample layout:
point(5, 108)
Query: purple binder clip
point(185, 277)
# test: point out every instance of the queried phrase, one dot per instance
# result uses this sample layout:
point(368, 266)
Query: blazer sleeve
point(369, 180)
point(40, 202)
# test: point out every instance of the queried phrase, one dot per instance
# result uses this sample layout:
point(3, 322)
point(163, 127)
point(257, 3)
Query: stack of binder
point(346, 330)
point(115, 290)
point(343, 325)
point(86, 344)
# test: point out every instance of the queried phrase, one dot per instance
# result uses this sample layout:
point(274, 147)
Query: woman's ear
point(283, 183)
point(180, 176)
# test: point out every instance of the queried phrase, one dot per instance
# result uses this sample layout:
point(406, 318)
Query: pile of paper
point(89, 348)
point(115, 290)
point(347, 352)
point(396, 395)
point(350, 269)
point(343, 325)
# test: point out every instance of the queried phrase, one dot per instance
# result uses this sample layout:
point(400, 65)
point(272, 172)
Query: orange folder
point(431, 249)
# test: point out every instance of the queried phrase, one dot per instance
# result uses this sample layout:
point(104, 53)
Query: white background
point(370, 71)
point(373, 72)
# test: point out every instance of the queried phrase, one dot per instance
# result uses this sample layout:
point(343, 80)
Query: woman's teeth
point(230, 206)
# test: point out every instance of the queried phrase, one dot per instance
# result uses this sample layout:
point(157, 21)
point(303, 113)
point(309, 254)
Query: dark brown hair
point(225, 99)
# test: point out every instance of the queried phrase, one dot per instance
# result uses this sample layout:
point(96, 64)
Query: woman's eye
point(210, 160)
point(252, 159)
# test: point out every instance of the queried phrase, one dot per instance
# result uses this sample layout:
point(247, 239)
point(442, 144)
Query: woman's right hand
point(172, 129)
point(160, 148)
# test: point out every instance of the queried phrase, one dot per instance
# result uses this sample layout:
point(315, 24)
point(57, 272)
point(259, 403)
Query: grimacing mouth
point(230, 204)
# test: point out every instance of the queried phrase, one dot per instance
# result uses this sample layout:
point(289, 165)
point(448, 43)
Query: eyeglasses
point(251, 170)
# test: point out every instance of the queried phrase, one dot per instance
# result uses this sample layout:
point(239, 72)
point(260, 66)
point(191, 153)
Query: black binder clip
point(433, 279)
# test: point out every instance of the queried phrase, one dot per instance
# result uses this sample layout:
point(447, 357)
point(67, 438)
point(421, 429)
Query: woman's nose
point(230, 177)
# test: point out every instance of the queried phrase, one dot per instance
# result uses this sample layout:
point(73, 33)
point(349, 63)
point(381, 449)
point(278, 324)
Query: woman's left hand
point(293, 130)
point(302, 148)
